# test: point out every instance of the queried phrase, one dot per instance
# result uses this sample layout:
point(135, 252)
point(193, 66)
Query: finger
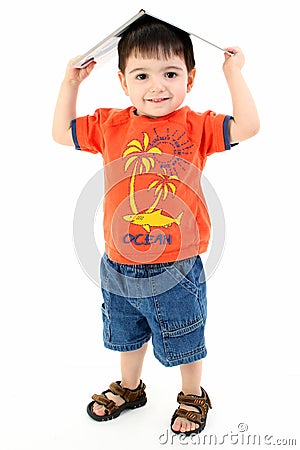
point(91, 65)
point(234, 50)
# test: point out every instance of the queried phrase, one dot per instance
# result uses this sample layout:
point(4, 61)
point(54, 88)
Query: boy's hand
point(237, 60)
point(76, 75)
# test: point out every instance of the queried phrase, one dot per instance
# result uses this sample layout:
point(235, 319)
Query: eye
point(171, 75)
point(141, 76)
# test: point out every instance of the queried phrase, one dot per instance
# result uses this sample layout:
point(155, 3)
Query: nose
point(156, 85)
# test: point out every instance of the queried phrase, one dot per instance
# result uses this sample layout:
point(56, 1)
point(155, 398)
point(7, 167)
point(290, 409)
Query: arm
point(65, 110)
point(245, 123)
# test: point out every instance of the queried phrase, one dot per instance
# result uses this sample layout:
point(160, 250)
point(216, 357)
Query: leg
point(131, 366)
point(131, 369)
point(191, 379)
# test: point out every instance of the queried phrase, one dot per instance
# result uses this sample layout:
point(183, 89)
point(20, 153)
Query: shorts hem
point(182, 359)
point(126, 347)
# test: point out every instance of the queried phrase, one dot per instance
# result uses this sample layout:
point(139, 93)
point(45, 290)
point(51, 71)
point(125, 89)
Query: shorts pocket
point(106, 323)
point(180, 315)
point(194, 281)
point(189, 285)
point(203, 300)
point(184, 342)
point(188, 273)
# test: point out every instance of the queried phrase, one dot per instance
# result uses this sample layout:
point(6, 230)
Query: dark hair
point(153, 38)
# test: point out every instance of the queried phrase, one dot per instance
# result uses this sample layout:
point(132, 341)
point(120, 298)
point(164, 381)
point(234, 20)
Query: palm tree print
point(163, 186)
point(141, 161)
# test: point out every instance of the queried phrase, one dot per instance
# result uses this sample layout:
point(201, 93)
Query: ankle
point(191, 390)
point(130, 384)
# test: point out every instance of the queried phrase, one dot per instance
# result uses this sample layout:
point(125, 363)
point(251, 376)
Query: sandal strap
point(110, 405)
point(192, 416)
point(200, 401)
point(129, 395)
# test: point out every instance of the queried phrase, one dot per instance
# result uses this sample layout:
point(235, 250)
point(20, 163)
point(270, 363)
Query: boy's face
point(156, 87)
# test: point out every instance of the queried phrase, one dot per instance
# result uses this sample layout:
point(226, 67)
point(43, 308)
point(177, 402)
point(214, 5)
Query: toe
point(98, 410)
point(184, 427)
point(176, 425)
point(193, 426)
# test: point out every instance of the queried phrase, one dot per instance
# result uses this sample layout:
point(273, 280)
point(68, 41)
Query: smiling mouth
point(157, 100)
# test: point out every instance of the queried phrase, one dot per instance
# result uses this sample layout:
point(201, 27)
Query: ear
point(191, 78)
point(123, 82)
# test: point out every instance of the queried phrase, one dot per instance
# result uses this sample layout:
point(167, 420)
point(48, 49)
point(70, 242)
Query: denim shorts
point(165, 302)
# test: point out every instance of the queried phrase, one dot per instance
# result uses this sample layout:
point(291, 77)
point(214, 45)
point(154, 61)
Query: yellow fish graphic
point(152, 219)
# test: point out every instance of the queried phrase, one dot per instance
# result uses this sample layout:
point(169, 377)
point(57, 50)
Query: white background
point(52, 358)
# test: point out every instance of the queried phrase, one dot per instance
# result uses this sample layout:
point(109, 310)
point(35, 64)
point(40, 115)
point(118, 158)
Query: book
point(106, 48)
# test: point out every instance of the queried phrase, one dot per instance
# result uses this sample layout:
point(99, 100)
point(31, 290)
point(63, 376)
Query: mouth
point(156, 100)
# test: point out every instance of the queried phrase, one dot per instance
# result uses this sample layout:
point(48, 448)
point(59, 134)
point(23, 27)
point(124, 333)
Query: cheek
point(181, 92)
point(182, 87)
point(135, 91)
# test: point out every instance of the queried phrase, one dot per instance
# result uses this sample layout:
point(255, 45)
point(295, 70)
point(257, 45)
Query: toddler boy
point(156, 223)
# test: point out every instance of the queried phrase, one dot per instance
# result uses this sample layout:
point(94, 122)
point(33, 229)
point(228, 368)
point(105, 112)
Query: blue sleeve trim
point(226, 132)
point(74, 135)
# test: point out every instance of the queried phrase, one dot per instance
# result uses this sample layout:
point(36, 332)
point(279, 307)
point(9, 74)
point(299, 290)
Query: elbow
point(249, 130)
point(55, 137)
point(62, 138)
point(254, 129)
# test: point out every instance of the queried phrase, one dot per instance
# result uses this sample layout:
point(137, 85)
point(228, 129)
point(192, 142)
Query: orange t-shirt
point(154, 209)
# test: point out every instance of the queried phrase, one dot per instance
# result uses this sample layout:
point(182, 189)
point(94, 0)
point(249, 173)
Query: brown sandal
point(202, 403)
point(134, 398)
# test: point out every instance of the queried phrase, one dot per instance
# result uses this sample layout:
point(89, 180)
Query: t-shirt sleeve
point(87, 133)
point(215, 133)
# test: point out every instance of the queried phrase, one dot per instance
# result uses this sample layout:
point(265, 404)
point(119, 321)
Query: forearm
point(245, 117)
point(245, 123)
point(65, 111)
